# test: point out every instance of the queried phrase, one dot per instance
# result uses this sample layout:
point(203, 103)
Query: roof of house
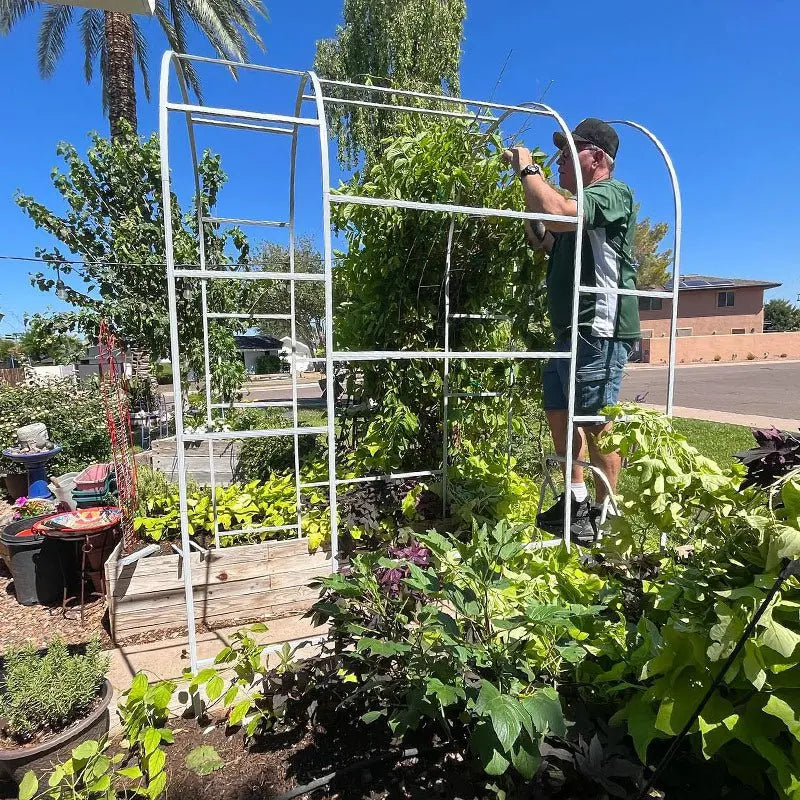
point(257, 342)
point(717, 283)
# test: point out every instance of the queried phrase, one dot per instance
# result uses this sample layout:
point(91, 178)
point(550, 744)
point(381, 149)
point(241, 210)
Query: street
point(768, 389)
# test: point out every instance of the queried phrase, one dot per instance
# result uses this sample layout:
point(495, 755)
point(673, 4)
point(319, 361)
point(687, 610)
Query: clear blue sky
point(716, 81)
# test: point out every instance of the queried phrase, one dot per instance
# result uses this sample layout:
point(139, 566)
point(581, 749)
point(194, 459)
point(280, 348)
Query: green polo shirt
point(606, 261)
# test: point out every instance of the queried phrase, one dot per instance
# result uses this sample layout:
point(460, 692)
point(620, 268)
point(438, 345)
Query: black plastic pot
point(34, 563)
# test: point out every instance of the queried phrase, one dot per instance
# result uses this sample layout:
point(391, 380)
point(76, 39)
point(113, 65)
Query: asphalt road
point(769, 389)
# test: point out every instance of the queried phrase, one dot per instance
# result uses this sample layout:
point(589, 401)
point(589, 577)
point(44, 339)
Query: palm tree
point(116, 41)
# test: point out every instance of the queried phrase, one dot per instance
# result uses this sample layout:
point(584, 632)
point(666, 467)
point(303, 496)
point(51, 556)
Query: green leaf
point(526, 759)
point(139, 686)
point(151, 739)
point(28, 786)
point(134, 773)
point(85, 750)
point(486, 747)
point(155, 763)
point(785, 707)
point(447, 695)
point(214, 688)
point(544, 709)
point(778, 637)
point(641, 725)
point(204, 760)
point(371, 716)
point(239, 712)
point(157, 786)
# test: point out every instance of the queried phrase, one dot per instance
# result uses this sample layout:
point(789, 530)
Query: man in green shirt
point(608, 324)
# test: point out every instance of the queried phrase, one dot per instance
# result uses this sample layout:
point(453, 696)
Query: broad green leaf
point(206, 674)
point(526, 759)
point(371, 716)
point(157, 786)
point(151, 739)
point(134, 773)
point(204, 760)
point(28, 786)
point(753, 664)
point(102, 784)
point(239, 712)
point(445, 694)
point(506, 715)
point(641, 725)
point(85, 750)
point(214, 688)
point(778, 637)
point(785, 707)
point(139, 686)
point(544, 710)
point(156, 762)
point(486, 747)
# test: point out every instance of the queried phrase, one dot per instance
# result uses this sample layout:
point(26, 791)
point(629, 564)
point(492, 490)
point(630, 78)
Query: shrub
point(717, 358)
point(74, 417)
point(751, 356)
point(268, 364)
point(164, 373)
point(43, 693)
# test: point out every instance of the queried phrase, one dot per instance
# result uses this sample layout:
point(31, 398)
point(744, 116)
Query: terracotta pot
point(100, 546)
point(17, 484)
point(16, 761)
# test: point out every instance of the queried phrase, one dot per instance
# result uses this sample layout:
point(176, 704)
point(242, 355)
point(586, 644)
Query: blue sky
point(717, 82)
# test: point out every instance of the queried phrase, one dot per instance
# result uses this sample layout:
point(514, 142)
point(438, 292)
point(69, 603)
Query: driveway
point(768, 389)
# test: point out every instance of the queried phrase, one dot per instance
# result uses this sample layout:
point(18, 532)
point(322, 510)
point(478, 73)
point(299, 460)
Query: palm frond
point(177, 42)
point(92, 27)
point(140, 51)
point(205, 16)
point(12, 11)
point(52, 36)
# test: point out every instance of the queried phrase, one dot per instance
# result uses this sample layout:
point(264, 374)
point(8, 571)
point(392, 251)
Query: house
point(708, 306)
point(719, 319)
point(254, 348)
point(303, 356)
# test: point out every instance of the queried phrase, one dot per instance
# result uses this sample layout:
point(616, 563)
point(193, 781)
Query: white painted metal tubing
point(231, 275)
point(475, 394)
point(541, 109)
point(238, 64)
point(614, 290)
point(496, 317)
point(138, 555)
point(393, 476)
point(233, 113)
point(330, 389)
point(225, 436)
point(676, 254)
point(241, 125)
point(406, 109)
point(249, 316)
point(264, 223)
point(257, 404)
point(172, 306)
point(473, 211)
point(399, 355)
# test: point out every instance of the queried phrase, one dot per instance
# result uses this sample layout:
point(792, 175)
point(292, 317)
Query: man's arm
point(539, 194)
point(539, 238)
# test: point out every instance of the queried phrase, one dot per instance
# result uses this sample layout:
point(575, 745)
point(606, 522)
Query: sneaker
point(581, 528)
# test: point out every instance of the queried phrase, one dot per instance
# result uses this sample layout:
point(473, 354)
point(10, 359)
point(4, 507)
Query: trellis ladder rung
point(242, 126)
point(399, 355)
point(236, 114)
point(408, 109)
point(232, 275)
point(258, 404)
point(475, 394)
point(248, 316)
point(266, 223)
point(393, 476)
point(263, 433)
point(500, 317)
point(618, 290)
point(473, 211)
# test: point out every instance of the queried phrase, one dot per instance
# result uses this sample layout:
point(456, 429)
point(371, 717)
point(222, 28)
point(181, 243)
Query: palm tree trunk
point(120, 79)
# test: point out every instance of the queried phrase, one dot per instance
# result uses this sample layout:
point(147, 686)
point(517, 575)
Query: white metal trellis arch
point(289, 125)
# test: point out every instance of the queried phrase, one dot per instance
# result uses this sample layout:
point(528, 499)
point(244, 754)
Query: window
point(738, 330)
point(724, 299)
point(650, 303)
point(683, 332)
point(647, 333)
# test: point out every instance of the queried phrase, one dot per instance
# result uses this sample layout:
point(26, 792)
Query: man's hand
point(518, 157)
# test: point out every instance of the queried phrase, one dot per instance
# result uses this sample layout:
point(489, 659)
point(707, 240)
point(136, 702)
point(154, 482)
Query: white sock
point(579, 491)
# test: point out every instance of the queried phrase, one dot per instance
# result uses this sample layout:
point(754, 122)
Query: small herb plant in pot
point(50, 701)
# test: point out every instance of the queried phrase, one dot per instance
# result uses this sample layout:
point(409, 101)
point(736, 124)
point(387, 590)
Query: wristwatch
point(531, 169)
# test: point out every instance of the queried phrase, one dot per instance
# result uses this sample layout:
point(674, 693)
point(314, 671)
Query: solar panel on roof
point(695, 283)
point(720, 282)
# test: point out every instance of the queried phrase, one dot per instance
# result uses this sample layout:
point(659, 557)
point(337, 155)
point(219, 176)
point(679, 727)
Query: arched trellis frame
point(311, 91)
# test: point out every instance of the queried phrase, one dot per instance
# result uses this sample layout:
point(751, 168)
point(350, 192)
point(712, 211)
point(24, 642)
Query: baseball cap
point(594, 131)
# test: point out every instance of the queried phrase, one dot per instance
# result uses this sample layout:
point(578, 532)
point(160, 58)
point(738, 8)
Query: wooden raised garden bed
point(233, 583)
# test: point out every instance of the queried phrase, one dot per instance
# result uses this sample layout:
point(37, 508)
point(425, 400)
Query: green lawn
point(715, 439)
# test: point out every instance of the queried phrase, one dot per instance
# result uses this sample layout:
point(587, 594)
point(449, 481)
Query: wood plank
point(254, 604)
point(211, 572)
point(206, 593)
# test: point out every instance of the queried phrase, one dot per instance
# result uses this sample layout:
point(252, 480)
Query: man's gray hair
point(609, 163)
